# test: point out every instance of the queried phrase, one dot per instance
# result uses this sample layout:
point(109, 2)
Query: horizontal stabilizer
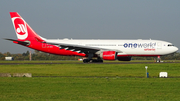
point(19, 42)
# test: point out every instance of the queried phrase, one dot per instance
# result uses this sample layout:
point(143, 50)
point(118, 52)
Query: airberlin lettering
point(139, 45)
point(21, 29)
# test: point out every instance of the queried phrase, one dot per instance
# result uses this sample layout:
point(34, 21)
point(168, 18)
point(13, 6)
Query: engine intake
point(108, 55)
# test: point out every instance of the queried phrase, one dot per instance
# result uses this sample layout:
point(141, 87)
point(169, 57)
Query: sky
point(92, 19)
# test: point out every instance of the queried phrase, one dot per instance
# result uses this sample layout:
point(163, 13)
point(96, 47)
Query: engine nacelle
point(108, 55)
point(124, 58)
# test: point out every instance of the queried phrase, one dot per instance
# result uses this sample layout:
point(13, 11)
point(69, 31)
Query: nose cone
point(172, 49)
point(175, 49)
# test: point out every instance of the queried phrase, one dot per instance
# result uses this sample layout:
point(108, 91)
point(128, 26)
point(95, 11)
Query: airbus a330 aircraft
point(121, 50)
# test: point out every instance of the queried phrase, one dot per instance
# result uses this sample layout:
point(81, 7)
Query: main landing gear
point(89, 59)
point(93, 60)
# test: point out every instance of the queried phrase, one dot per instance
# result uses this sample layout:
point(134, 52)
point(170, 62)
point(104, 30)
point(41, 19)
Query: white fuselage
point(126, 47)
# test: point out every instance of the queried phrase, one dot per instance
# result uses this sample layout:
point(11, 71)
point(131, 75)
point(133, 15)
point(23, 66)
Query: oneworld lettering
point(139, 45)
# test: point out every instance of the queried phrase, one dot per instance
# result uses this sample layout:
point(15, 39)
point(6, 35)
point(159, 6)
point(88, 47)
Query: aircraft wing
point(80, 48)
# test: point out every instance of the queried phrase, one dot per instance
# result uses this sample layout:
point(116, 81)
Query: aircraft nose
point(175, 49)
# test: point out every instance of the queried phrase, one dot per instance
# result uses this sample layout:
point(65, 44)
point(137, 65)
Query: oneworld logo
point(140, 45)
point(20, 28)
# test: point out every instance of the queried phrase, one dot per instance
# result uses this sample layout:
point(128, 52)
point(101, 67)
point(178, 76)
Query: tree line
point(37, 55)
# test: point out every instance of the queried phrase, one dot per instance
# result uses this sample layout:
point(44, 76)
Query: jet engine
point(108, 55)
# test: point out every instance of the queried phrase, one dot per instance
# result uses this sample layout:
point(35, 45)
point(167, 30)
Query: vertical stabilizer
point(22, 29)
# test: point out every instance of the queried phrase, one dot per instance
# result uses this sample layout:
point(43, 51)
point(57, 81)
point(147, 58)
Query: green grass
point(123, 82)
point(89, 89)
point(121, 70)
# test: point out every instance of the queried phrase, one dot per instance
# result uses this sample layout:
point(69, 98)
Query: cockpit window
point(170, 45)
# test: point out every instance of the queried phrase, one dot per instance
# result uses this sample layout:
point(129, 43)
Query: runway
point(90, 63)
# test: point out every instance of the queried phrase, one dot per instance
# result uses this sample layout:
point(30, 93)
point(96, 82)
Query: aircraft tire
point(85, 60)
point(92, 61)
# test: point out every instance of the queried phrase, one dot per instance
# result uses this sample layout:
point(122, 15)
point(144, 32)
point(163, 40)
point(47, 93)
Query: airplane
point(122, 50)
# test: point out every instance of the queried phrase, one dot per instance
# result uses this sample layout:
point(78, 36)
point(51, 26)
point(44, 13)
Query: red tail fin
point(22, 29)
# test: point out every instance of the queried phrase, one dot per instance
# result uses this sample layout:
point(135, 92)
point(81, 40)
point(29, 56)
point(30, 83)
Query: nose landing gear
point(158, 59)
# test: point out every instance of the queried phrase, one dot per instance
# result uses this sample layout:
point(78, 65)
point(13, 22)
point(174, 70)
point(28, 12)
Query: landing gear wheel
point(93, 61)
point(85, 60)
point(101, 61)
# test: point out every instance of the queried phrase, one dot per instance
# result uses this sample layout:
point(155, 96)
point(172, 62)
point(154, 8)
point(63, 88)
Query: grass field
point(89, 82)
